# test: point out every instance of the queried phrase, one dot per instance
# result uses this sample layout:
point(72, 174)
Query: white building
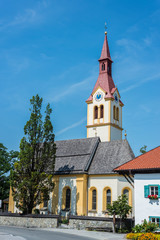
point(146, 171)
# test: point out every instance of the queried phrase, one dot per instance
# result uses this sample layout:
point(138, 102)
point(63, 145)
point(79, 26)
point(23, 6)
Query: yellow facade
point(81, 198)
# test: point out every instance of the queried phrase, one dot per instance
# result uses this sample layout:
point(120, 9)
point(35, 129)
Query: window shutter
point(146, 191)
point(159, 191)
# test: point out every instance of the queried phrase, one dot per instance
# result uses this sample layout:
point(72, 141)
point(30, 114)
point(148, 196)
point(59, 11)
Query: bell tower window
point(117, 114)
point(109, 68)
point(101, 111)
point(103, 66)
point(114, 113)
point(95, 112)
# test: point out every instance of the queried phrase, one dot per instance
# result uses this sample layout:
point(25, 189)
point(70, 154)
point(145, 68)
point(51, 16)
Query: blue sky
point(51, 48)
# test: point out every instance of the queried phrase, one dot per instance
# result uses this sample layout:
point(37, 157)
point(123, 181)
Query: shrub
point(145, 227)
point(36, 211)
point(138, 228)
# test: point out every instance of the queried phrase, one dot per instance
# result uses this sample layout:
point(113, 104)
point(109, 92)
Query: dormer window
point(103, 66)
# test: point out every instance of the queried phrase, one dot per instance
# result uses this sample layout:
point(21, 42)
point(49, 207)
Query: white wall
point(116, 134)
point(71, 182)
point(145, 207)
point(101, 131)
point(116, 183)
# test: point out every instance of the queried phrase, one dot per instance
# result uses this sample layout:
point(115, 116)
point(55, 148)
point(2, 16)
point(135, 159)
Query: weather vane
point(105, 27)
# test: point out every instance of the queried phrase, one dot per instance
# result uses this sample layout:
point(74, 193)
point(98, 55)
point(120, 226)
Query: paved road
point(13, 233)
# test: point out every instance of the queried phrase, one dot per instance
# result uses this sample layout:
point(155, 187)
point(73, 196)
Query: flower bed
point(153, 197)
point(143, 236)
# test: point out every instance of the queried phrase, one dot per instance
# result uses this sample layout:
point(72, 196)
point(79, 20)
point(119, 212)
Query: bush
point(36, 211)
point(138, 228)
point(145, 227)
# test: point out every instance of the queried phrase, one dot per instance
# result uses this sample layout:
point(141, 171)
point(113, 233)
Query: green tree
point(120, 208)
point(143, 149)
point(32, 178)
point(7, 159)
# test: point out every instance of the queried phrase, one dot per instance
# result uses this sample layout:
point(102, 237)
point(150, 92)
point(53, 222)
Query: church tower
point(104, 107)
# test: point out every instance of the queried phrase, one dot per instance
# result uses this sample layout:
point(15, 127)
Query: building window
point(127, 191)
point(68, 198)
point(108, 198)
point(95, 112)
point(103, 66)
point(109, 68)
point(114, 113)
point(117, 114)
point(154, 190)
point(101, 111)
point(155, 220)
point(151, 190)
point(94, 199)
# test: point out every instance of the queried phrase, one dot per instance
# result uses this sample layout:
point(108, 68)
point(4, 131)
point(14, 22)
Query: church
point(85, 183)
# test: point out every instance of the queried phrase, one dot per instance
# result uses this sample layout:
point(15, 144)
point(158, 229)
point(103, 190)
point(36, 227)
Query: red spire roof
point(105, 54)
point(104, 80)
point(146, 161)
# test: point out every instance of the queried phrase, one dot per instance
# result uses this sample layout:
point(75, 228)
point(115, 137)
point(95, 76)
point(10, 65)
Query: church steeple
point(104, 104)
point(105, 54)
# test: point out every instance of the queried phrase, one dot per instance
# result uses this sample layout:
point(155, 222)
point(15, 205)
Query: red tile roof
point(146, 161)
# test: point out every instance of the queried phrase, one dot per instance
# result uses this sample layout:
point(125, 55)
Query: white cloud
point(148, 79)
point(27, 17)
point(71, 89)
point(74, 125)
point(145, 108)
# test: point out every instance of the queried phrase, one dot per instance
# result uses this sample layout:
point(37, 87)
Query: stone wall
point(98, 223)
point(83, 222)
point(31, 221)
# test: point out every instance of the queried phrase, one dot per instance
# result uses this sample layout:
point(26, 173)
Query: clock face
point(98, 96)
point(116, 98)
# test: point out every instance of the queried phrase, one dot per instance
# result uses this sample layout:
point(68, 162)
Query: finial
point(105, 27)
point(125, 135)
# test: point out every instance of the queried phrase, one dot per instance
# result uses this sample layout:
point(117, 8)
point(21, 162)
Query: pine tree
point(32, 178)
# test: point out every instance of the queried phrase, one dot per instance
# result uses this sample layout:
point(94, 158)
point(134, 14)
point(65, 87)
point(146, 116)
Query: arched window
point(94, 199)
point(127, 191)
point(114, 112)
point(68, 198)
point(103, 66)
point(101, 111)
point(95, 112)
point(109, 68)
point(117, 114)
point(108, 198)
